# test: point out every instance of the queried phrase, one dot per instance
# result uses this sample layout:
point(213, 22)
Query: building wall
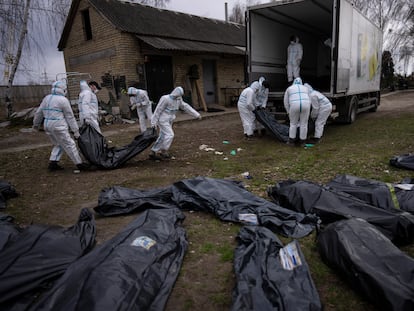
point(112, 57)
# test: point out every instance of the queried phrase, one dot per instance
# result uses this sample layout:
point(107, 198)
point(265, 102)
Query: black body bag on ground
point(280, 131)
point(403, 161)
point(135, 270)
point(226, 199)
point(370, 263)
point(119, 200)
point(331, 205)
point(7, 191)
point(33, 259)
point(379, 194)
point(230, 201)
point(270, 276)
point(8, 230)
point(95, 149)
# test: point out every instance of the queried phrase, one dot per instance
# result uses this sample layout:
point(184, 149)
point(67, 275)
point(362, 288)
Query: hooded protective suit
point(297, 104)
point(164, 116)
point(262, 94)
point(57, 116)
point(88, 106)
point(246, 105)
point(139, 100)
point(294, 57)
point(321, 110)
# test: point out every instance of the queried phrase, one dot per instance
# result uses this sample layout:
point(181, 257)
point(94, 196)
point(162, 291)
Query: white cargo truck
point(342, 52)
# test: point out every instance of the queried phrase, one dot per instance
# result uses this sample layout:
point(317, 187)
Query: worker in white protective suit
point(321, 109)
point(294, 58)
point(139, 100)
point(297, 104)
point(88, 104)
point(261, 101)
point(57, 116)
point(163, 117)
point(246, 105)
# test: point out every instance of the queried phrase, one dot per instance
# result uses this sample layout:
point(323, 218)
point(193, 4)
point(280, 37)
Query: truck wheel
point(377, 102)
point(353, 109)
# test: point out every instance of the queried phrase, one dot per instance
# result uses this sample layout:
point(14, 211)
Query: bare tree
point(23, 18)
point(155, 3)
point(239, 9)
point(396, 18)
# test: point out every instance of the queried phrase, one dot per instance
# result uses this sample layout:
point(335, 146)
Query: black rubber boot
point(154, 156)
point(86, 167)
point(302, 142)
point(290, 142)
point(54, 166)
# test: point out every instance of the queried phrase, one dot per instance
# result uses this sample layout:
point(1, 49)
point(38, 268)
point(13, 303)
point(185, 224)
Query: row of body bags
point(55, 268)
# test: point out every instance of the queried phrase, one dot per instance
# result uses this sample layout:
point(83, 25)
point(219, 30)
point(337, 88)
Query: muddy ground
point(56, 198)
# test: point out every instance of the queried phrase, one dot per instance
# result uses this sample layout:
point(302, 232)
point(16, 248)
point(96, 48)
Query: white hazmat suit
point(57, 116)
point(164, 116)
point(297, 104)
point(139, 100)
point(246, 105)
point(262, 94)
point(294, 57)
point(88, 107)
point(321, 110)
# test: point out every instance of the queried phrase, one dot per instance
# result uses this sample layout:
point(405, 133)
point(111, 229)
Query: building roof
point(164, 29)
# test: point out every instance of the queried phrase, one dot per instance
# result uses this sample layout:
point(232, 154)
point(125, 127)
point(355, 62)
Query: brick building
point(121, 44)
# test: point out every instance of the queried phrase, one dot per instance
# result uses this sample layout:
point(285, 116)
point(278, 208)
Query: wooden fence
point(22, 97)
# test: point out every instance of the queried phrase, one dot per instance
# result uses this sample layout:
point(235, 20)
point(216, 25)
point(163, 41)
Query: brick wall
point(117, 54)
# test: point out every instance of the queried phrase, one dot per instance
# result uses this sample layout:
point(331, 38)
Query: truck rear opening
point(341, 51)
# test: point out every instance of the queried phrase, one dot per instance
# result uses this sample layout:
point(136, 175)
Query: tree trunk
point(16, 59)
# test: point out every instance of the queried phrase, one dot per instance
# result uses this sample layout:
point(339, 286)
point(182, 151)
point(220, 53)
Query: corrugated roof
point(147, 21)
point(190, 46)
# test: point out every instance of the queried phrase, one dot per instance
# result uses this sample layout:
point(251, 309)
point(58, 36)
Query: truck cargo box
point(341, 52)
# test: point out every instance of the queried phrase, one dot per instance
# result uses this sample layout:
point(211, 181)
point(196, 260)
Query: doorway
point(159, 76)
point(209, 81)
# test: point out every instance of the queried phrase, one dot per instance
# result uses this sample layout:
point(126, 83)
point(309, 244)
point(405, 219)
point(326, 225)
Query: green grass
point(206, 279)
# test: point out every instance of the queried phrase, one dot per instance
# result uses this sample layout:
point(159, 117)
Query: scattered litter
point(205, 148)
point(225, 158)
point(76, 171)
point(128, 121)
point(26, 130)
point(218, 152)
point(202, 147)
point(226, 142)
point(233, 152)
point(239, 149)
point(247, 175)
point(307, 146)
point(387, 171)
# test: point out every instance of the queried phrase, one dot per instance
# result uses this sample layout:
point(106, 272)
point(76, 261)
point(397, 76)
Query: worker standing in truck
point(294, 58)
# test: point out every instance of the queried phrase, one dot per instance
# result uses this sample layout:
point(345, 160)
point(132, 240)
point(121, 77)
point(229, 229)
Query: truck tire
point(352, 110)
point(377, 102)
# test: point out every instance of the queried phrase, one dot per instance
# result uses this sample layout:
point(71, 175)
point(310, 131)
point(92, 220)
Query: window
point(87, 24)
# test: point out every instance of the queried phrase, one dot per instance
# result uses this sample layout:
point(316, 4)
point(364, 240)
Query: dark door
point(209, 81)
point(158, 73)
